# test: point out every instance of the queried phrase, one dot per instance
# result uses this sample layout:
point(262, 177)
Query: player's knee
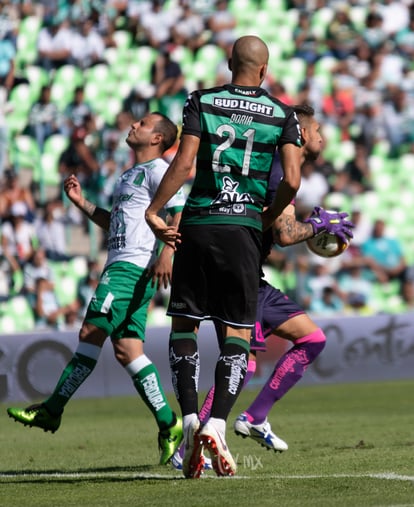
point(314, 342)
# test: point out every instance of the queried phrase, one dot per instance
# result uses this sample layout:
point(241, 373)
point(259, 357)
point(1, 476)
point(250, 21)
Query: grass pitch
point(350, 445)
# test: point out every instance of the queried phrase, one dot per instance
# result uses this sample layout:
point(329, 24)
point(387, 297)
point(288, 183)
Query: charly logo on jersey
point(251, 93)
point(234, 203)
point(244, 105)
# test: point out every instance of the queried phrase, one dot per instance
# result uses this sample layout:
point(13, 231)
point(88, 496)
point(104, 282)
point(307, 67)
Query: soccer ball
point(327, 245)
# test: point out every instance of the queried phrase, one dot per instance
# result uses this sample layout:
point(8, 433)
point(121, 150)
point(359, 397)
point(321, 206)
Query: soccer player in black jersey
point(232, 132)
point(276, 312)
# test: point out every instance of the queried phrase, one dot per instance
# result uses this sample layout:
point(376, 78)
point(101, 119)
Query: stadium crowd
point(74, 75)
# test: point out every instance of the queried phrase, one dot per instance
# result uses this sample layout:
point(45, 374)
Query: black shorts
point(216, 274)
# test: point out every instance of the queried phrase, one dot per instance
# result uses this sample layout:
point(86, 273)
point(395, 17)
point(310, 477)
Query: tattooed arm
point(289, 231)
point(99, 216)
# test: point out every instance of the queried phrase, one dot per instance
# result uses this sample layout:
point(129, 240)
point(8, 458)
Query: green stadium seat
point(25, 152)
point(21, 98)
point(123, 39)
point(55, 145)
point(26, 54)
point(19, 309)
point(70, 76)
point(16, 122)
point(61, 95)
point(205, 64)
point(37, 77)
point(48, 173)
point(320, 20)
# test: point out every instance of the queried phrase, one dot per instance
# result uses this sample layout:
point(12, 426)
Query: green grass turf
point(350, 445)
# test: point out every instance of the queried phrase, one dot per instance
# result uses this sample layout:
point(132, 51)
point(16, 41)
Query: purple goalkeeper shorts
point(273, 309)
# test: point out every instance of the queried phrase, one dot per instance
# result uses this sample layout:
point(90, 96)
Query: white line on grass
point(132, 475)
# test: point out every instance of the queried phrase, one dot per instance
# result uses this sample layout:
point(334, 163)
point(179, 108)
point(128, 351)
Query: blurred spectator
point(169, 82)
point(222, 24)
point(312, 89)
point(338, 108)
point(328, 303)
point(76, 112)
point(155, 25)
point(88, 46)
point(395, 15)
point(342, 37)
point(383, 256)
point(51, 232)
point(9, 20)
point(369, 123)
point(108, 174)
point(188, 30)
point(5, 109)
point(87, 286)
point(137, 103)
point(307, 45)
point(223, 73)
point(47, 310)
point(359, 64)
point(44, 118)
point(7, 62)
point(363, 227)
point(373, 33)
point(317, 279)
point(18, 239)
point(324, 166)
point(356, 291)
point(388, 65)
point(166, 75)
point(13, 192)
point(405, 39)
point(79, 159)
point(407, 293)
point(39, 288)
point(36, 268)
point(358, 171)
point(398, 117)
point(114, 146)
point(313, 188)
point(278, 90)
point(54, 43)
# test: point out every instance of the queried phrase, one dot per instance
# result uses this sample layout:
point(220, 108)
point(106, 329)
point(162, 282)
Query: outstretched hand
point(168, 234)
point(332, 222)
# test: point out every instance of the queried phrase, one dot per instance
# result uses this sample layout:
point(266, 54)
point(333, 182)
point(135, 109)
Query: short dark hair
point(302, 110)
point(168, 129)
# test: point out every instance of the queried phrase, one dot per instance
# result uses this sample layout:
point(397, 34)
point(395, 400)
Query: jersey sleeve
point(291, 131)
point(191, 115)
point(177, 201)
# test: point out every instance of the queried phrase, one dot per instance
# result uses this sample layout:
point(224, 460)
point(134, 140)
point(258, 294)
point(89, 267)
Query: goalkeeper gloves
point(331, 222)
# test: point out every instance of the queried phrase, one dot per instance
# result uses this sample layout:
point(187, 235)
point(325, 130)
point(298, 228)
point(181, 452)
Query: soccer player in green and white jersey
point(129, 280)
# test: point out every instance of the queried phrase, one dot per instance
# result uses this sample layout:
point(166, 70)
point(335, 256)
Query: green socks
point(76, 372)
point(147, 382)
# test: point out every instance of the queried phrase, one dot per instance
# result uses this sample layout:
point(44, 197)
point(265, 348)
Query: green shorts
point(120, 303)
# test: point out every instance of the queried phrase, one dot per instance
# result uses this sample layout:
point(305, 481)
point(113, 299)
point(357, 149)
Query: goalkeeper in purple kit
point(276, 313)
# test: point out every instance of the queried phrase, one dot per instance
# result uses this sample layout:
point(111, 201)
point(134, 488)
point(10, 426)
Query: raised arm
point(73, 190)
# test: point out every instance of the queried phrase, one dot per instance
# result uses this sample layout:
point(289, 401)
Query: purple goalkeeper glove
point(331, 222)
